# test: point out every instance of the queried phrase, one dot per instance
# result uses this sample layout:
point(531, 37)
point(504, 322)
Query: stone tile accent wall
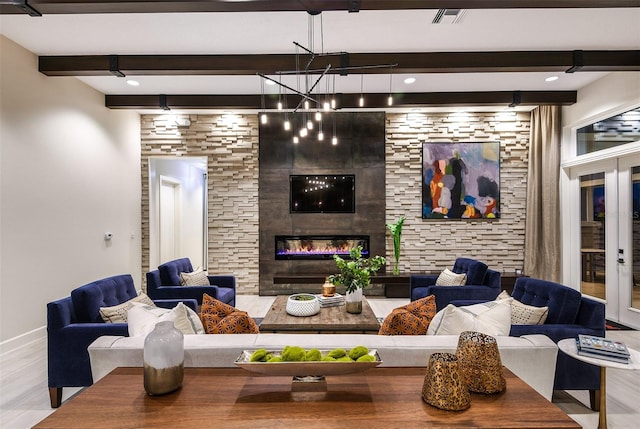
point(230, 143)
point(431, 245)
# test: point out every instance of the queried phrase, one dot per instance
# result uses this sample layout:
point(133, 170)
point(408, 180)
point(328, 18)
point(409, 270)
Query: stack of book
point(330, 301)
point(601, 348)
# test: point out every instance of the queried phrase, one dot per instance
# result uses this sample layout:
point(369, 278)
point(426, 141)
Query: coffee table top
point(328, 320)
point(234, 398)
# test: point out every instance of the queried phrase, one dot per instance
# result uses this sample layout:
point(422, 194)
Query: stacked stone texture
point(230, 143)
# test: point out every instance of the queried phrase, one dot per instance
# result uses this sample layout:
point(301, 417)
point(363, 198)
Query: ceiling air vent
point(448, 16)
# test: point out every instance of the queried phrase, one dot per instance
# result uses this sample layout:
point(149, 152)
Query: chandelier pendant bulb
point(312, 78)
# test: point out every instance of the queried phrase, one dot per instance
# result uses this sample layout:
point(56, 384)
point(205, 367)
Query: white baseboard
point(22, 340)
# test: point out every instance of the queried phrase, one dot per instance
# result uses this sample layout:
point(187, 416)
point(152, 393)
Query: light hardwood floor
point(24, 398)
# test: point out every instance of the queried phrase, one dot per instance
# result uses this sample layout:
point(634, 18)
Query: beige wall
point(429, 245)
point(231, 144)
point(70, 171)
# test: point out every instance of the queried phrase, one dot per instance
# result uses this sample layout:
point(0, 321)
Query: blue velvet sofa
point(164, 283)
point(483, 284)
point(74, 322)
point(570, 314)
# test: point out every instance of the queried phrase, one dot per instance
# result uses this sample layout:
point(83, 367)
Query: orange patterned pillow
point(411, 319)
point(220, 318)
point(214, 307)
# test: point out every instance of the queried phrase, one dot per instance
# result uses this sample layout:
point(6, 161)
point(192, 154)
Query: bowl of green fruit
point(297, 361)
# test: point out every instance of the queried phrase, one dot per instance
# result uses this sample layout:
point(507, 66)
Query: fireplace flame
point(309, 247)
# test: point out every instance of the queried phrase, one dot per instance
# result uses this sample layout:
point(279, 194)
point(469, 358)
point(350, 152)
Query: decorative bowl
point(303, 304)
point(304, 368)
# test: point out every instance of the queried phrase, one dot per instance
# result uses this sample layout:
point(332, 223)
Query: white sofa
point(530, 357)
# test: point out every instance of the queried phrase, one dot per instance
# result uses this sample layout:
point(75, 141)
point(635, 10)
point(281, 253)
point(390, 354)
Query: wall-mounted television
point(326, 193)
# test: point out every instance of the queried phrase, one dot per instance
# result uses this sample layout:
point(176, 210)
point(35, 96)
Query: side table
point(569, 347)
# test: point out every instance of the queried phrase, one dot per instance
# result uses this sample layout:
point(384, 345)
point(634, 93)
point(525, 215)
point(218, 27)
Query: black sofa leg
point(594, 399)
point(55, 395)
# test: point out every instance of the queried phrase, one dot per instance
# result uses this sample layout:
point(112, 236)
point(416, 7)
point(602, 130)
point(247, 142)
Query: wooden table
point(569, 347)
point(234, 398)
point(330, 320)
point(588, 262)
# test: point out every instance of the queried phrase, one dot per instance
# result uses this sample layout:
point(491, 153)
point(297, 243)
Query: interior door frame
point(629, 315)
point(177, 214)
point(602, 161)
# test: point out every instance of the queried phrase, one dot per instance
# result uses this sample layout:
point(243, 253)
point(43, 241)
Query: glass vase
point(353, 301)
point(163, 357)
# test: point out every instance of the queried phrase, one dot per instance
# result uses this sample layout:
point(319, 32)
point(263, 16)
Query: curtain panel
point(542, 255)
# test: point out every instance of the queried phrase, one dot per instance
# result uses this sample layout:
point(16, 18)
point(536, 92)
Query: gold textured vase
point(328, 289)
point(480, 362)
point(443, 385)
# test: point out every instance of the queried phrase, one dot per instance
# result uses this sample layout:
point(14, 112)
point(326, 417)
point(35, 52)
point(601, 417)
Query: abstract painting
point(461, 180)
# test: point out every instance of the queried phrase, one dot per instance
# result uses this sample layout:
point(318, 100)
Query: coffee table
point(330, 320)
point(234, 398)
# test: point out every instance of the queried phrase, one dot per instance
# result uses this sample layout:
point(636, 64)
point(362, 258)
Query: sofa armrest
point(223, 281)
point(555, 332)
point(591, 315)
point(170, 303)
point(182, 293)
point(422, 280)
point(68, 360)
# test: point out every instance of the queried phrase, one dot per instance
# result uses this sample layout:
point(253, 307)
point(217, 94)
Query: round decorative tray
point(303, 304)
point(304, 368)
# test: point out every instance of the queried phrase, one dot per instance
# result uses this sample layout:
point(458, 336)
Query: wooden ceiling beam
point(428, 62)
point(346, 101)
point(46, 7)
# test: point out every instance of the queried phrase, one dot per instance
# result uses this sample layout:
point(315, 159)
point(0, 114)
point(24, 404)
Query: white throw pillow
point(197, 277)
point(118, 313)
point(449, 278)
point(143, 318)
point(523, 314)
point(491, 318)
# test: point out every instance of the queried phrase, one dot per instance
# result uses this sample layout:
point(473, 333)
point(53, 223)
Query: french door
point(605, 234)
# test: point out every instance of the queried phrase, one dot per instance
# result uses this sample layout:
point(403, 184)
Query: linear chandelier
point(308, 113)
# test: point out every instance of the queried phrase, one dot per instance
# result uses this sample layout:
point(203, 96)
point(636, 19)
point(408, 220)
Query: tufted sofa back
point(170, 271)
point(106, 292)
point(563, 302)
point(475, 270)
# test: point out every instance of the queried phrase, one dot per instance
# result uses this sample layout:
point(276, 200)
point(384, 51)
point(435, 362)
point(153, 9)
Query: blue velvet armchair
point(74, 322)
point(483, 284)
point(570, 314)
point(164, 283)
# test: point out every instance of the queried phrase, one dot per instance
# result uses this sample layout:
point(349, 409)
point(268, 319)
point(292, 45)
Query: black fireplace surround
point(318, 247)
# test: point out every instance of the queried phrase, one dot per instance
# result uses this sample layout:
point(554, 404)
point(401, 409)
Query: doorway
point(606, 247)
point(178, 210)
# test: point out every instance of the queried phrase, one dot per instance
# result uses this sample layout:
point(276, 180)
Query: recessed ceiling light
point(133, 82)
point(551, 78)
point(409, 80)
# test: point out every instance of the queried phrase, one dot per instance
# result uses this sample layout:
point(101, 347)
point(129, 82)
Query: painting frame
point(461, 180)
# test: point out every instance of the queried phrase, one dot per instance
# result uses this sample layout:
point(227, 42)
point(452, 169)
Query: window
point(611, 132)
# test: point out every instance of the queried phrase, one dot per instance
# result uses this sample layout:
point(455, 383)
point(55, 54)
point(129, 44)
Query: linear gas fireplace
point(319, 246)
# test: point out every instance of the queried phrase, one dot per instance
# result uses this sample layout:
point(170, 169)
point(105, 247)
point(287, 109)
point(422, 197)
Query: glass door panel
point(592, 235)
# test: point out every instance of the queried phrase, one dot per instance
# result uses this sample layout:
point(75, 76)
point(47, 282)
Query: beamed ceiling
point(207, 54)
